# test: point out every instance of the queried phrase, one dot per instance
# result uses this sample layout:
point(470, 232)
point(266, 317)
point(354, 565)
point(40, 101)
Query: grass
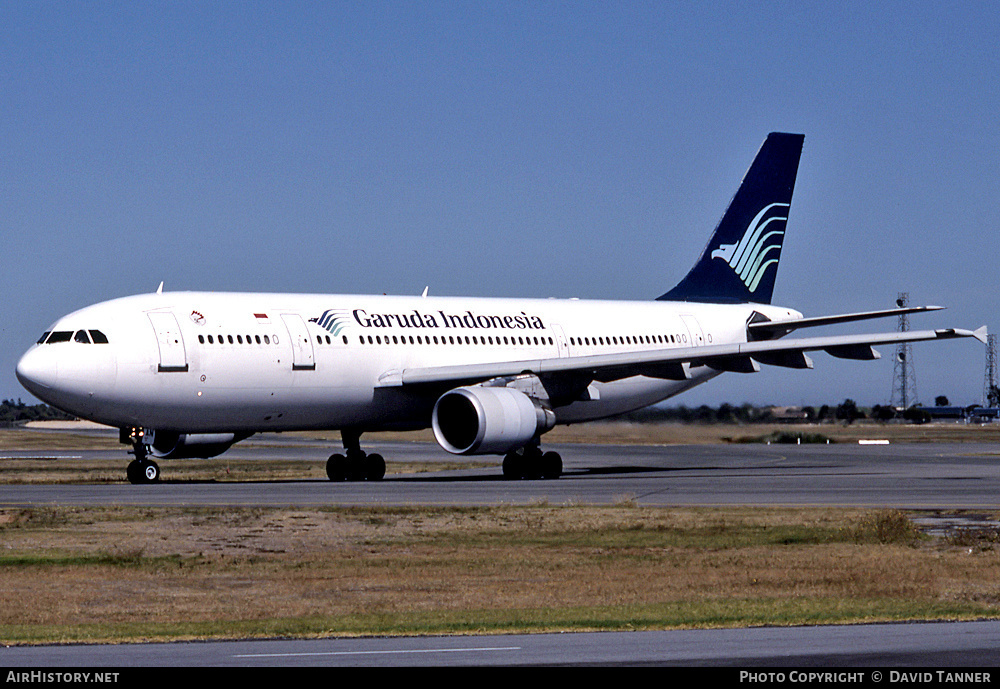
point(120, 573)
point(129, 573)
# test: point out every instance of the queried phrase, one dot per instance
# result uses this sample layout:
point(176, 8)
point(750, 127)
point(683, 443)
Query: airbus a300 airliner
point(188, 374)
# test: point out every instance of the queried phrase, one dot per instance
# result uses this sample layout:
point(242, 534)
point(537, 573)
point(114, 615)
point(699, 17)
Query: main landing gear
point(141, 469)
point(531, 463)
point(356, 465)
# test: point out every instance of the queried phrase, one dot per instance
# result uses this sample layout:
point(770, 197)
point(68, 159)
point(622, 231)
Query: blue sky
point(502, 149)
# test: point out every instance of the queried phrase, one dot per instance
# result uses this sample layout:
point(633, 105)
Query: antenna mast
point(904, 379)
point(991, 394)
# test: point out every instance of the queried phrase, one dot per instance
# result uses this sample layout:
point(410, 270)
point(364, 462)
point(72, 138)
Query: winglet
point(980, 334)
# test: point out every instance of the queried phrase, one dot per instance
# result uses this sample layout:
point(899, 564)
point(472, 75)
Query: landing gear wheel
point(150, 471)
point(356, 466)
point(513, 466)
point(374, 466)
point(336, 468)
point(531, 463)
point(142, 471)
point(551, 465)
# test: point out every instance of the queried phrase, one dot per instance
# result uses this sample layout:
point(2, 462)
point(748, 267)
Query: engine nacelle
point(479, 420)
point(173, 445)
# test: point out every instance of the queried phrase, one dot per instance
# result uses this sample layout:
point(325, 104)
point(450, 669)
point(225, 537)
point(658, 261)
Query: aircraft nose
point(37, 371)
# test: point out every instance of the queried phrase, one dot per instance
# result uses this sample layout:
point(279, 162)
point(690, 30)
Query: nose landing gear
point(141, 469)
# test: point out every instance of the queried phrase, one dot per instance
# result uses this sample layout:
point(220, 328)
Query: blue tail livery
point(741, 260)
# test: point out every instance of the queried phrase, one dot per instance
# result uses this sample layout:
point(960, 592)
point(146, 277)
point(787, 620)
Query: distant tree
point(941, 401)
point(883, 413)
point(848, 412)
point(916, 415)
point(726, 413)
point(18, 412)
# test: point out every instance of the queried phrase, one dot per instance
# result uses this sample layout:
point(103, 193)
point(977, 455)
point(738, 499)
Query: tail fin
point(741, 259)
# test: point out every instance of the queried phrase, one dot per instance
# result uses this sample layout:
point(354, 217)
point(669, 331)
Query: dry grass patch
point(89, 573)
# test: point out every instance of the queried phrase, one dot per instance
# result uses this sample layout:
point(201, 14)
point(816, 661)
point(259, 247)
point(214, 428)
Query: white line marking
point(42, 457)
point(363, 653)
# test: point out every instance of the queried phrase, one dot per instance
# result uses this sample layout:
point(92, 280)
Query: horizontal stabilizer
point(765, 329)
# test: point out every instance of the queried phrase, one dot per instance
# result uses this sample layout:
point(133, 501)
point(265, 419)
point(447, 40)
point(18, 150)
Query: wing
point(674, 363)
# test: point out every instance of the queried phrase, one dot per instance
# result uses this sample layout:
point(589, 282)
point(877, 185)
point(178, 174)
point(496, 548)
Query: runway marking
point(364, 653)
point(46, 457)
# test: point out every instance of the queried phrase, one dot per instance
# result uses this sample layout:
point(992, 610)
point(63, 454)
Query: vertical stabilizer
point(741, 259)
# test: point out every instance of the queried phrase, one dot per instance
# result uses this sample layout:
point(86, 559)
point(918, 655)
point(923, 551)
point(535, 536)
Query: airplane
point(189, 374)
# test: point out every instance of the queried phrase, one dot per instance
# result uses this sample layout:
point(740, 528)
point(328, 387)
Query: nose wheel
point(143, 471)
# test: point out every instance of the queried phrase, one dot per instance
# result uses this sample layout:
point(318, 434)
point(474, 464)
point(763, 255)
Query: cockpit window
point(81, 336)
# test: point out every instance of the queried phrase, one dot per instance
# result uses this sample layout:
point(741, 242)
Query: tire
point(336, 468)
point(551, 465)
point(374, 467)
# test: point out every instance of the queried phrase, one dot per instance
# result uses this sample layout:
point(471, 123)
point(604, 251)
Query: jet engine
point(483, 420)
point(173, 445)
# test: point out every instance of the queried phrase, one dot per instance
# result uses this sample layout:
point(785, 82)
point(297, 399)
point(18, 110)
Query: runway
point(935, 645)
point(916, 476)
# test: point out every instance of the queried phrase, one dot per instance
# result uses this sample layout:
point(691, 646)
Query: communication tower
point(991, 394)
point(904, 379)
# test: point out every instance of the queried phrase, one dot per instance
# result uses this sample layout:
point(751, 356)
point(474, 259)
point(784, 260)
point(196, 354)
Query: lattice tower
point(990, 390)
point(904, 378)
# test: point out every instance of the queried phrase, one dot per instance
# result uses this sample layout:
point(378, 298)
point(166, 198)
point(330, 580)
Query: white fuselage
point(200, 362)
